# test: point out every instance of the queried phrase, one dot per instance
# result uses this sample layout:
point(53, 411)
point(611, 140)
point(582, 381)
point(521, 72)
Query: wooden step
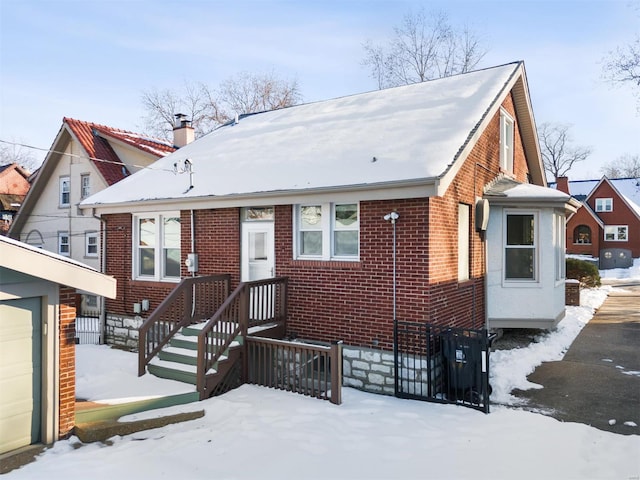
point(191, 343)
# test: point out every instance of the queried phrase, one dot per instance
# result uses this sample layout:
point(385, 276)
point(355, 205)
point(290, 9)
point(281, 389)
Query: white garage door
point(20, 372)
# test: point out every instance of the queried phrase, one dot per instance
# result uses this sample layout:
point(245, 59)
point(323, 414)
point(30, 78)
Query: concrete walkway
point(598, 380)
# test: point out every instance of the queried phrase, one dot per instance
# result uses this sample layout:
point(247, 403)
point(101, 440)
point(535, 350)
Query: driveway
point(598, 380)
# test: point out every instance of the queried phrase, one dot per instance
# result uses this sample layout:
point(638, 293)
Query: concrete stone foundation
point(122, 331)
point(368, 369)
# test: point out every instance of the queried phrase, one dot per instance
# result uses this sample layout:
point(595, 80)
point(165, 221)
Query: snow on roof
point(27, 259)
point(510, 189)
point(389, 136)
point(629, 188)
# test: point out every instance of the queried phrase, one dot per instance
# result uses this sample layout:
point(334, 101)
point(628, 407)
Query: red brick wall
point(352, 301)
point(67, 396)
point(621, 215)
point(582, 217)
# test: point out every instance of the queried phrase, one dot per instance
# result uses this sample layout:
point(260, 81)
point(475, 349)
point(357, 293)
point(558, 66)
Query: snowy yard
point(255, 432)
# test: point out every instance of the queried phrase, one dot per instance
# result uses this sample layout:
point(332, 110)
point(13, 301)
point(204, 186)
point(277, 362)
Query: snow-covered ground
point(255, 432)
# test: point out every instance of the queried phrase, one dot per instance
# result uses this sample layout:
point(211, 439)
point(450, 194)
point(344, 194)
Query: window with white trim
point(91, 244)
point(65, 192)
point(326, 231)
point(616, 233)
point(64, 247)
point(559, 244)
point(157, 246)
point(463, 241)
point(604, 204)
point(520, 254)
point(506, 141)
point(85, 185)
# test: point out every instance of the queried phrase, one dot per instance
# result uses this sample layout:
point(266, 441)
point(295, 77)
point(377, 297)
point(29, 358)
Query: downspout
point(103, 269)
point(193, 272)
point(392, 217)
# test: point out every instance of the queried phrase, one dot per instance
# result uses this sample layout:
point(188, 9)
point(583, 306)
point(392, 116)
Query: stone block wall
point(368, 369)
point(123, 331)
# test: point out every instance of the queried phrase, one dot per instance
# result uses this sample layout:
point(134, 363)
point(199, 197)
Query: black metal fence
point(442, 364)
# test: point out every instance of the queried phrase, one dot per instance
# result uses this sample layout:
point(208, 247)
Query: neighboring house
point(37, 347)
point(609, 217)
point(84, 158)
point(425, 202)
point(14, 186)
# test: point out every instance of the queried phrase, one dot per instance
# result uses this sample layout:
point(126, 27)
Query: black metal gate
point(442, 364)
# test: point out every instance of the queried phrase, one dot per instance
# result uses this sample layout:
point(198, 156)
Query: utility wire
point(75, 155)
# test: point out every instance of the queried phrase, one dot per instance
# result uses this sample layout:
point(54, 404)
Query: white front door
point(258, 252)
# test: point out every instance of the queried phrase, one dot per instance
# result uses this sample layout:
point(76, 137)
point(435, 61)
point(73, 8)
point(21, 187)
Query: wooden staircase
point(178, 360)
point(197, 335)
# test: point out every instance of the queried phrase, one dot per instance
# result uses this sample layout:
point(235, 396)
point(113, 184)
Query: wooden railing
point(193, 300)
point(311, 370)
point(250, 305)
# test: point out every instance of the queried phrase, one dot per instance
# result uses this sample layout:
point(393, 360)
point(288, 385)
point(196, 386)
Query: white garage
point(37, 288)
point(20, 367)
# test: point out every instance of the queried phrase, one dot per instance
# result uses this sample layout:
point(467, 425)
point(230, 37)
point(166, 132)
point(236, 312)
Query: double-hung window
point(157, 247)
point(326, 231)
point(464, 213)
point(65, 192)
point(85, 186)
point(520, 246)
point(604, 204)
point(91, 244)
point(64, 247)
point(506, 141)
point(616, 233)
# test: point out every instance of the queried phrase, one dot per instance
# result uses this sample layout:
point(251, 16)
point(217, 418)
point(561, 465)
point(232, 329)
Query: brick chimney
point(183, 132)
point(562, 184)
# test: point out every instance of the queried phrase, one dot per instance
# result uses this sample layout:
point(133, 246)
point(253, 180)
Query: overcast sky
point(92, 60)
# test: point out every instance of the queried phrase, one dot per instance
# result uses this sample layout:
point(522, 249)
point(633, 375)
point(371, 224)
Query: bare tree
point(422, 48)
point(558, 155)
point(250, 93)
point(622, 65)
point(14, 152)
point(162, 105)
point(625, 166)
point(209, 107)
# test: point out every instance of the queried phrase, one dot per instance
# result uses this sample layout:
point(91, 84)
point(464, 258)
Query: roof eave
point(423, 187)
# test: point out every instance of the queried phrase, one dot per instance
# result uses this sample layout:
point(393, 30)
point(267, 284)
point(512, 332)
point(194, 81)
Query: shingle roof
point(386, 139)
point(91, 137)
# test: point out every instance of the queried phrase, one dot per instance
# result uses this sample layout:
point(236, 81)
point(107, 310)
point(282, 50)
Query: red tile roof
point(91, 136)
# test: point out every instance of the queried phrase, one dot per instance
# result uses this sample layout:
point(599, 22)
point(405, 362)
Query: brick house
point(14, 186)
point(37, 342)
point(609, 217)
point(426, 202)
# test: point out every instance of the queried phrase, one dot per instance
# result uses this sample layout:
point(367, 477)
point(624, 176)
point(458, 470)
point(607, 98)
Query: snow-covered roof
point(628, 188)
point(385, 137)
point(508, 191)
point(39, 263)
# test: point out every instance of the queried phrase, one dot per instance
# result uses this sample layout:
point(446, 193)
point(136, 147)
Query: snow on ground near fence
point(255, 432)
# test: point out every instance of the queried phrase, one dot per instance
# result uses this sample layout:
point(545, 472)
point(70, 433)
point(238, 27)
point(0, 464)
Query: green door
point(20, 372)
